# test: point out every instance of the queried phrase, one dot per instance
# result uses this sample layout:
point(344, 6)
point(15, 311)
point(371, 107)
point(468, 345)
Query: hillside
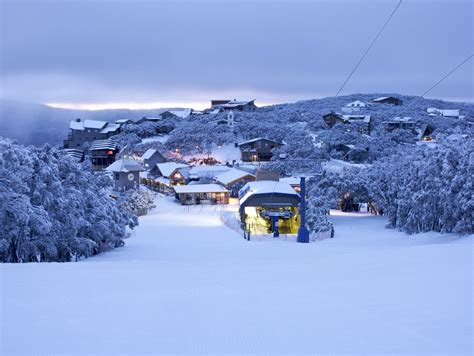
point(42, 124)
point(185, 283)
point(50, 125)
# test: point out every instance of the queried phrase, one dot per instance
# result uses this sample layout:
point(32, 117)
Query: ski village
point(348, 218)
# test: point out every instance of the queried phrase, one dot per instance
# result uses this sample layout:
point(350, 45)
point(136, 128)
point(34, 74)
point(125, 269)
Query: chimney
point(78, 120)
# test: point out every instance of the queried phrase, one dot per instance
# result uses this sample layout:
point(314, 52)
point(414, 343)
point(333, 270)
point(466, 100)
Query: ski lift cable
point(368, 48)
point(447, 75)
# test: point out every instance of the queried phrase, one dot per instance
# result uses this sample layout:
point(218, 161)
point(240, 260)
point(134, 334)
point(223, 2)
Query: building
point(356, 104)
point(206, 172)
point(75, 154)
point(147, 119)
point(151, 158)
point(103, 153)
point(425, 133)
point(164, 176)
point(233, 180)
point(122, 122)
point(400, 123)
point(258, 149)
point(236, 105)
point(82, 131)
point(332, 118)
point(201, 194)
point(176, 114)
point(126, 174)
point(388, 100)
point(444, 112)
point(269, 207)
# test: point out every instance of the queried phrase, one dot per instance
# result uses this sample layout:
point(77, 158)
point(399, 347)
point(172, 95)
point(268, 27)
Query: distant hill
point(37, 124)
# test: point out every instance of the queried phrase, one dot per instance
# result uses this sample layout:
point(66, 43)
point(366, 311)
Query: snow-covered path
point(186, 283)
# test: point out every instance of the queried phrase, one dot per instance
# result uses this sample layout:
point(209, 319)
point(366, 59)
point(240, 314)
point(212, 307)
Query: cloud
point(190, 51)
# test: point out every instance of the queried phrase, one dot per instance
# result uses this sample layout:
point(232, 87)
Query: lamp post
point(303, 233)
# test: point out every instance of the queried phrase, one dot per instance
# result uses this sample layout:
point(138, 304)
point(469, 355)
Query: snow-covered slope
point(186, 283)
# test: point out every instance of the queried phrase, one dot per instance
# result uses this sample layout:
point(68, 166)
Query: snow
point(110, 128)
point(185, 283)
point(168, 168)
point(161, 139)
point(224, 153)
point(356, 104)
point(291, 180)
point(181, 113)
point(86, 124)
point(199, 188)
point(231, 176)
point(125, 165)
point(149, 153)
point(265, 187)
point(338, 166)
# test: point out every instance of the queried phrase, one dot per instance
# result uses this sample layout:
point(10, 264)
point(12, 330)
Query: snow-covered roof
point(231, 176)
point(184, 113)
point(443, 112)
point(110, 128)
point(381, 98)
point(125, 165)
point(258, 139)
point(450, 113)
point(199, 188)
point(107, 144)
point(402, 119)
point(167, 168)
point(208, 170)
point(291, 180)
point(149, 153)
point(75, 153)
point(81, 125)
point(364, 118)
point(163, 180)
point(122, 121)
point(265, 187)
point(356, 104)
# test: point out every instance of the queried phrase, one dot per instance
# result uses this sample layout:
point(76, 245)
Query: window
point(117, 176)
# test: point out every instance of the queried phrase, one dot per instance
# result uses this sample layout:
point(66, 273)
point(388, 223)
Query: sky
point(148, 54)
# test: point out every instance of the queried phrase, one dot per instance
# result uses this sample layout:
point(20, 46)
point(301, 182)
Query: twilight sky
point(143, 53)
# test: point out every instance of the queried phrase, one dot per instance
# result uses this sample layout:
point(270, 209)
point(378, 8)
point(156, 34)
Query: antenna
point(368, 48)
point(447, 75)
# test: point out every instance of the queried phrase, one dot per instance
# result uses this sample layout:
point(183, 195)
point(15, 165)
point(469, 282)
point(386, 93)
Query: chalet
point(82, 131)
point(388, 100)
point(122, 122)
point(258, 149)
point(332, 118)
point(167, 174)
point(356, 104)
point(443, 112)
point(75, 154)
point(201, 194)
point(400, 123)
point(425, 133)
point(126, 174)
point(206, 172)
point(233, 180)
point(147, 119)
point(237, 105)
point(151, 157)
point(176, 114)
point(269, 207)
point(103, 153)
